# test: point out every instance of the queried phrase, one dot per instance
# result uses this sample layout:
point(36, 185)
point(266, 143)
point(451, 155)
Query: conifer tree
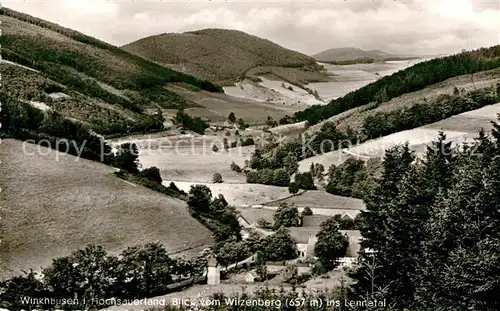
point(397, 164)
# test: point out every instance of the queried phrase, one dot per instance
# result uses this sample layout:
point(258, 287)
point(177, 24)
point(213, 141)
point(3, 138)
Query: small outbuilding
point(251, 277)
point(213, 273)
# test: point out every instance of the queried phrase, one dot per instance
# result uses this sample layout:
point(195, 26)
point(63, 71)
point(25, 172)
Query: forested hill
point(100, 79)
point(411, 79)
point(353, 55)
point(220, 55)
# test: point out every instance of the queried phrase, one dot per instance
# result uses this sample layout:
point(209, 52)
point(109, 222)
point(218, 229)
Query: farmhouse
point(306, 240)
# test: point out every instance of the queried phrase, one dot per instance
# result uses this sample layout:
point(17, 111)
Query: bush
point(281, 178)
point(293, 188)
point(195, 124)
point(307, 211)
point(271, 122)
point(235, 167)
point(305, 181)
point(290, 274)
point(152, 173)
point(264, 224)
point(252, 177)
point(286, 216)
point(242, 125)
point(217, 178)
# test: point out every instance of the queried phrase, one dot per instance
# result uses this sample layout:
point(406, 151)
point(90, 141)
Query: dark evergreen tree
point(293, 188)
point(199, 199)
point(460, 268)
point(396, 166)
point(127, 158)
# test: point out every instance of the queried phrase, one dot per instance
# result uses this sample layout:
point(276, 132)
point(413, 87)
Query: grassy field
point(54, 203)
point(216, 107)
point(322, 200)
point(252, 215)
point(220, 55)
point(273, 90)
point(190, 158)
point(239, 195)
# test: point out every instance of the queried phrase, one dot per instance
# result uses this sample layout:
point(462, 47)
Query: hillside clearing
point(239, 194)
point(354, 117)
point(191, 158)
point(216, 107)
point(458, 129)
point(321, 199)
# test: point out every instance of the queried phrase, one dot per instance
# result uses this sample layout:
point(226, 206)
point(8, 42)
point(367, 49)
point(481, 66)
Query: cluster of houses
point(305, 238)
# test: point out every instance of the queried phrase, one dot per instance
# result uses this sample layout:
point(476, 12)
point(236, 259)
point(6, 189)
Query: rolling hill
point(220, 55)
point(54, 203)
point(350, 55)
point(84, 78)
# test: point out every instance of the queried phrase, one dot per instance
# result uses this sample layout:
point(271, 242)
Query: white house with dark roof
point(306, 241)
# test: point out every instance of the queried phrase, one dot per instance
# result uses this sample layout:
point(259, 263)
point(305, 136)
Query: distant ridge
point(220, 55)
point(348, 55)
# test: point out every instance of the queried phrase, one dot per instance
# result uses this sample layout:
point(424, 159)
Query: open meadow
point(216, 107)
point(239, 194)
point(190, 158)
point(55, 203)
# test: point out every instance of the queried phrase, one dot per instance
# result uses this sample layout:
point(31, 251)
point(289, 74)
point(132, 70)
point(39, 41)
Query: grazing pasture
point(53, 203)
point(239, 194)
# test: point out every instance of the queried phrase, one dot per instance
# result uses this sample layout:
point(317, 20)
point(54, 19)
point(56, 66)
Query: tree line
point(433, 226)
point(91, 274)
point(272, 157)
point(445, 106)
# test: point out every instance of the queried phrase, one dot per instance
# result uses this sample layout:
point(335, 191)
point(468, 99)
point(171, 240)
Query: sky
point(423, 27)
